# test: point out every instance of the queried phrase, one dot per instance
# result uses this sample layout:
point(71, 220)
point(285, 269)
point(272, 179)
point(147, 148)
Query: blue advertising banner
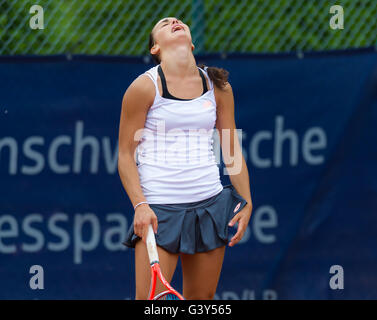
point(308, 133)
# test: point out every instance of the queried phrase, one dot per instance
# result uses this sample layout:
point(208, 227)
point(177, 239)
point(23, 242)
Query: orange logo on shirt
point(207, 104)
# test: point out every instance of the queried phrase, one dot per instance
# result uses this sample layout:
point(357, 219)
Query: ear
point(155, 49)
point(192, 47)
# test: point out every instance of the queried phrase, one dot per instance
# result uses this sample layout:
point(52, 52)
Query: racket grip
point(151, 246)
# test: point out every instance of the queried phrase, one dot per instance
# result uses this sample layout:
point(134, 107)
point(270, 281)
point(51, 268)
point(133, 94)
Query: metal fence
point(122, 27)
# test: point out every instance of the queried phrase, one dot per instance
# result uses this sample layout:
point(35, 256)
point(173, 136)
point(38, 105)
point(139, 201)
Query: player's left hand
point(242, 218)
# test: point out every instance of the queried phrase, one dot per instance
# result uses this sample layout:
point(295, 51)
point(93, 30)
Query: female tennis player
point(184, 200)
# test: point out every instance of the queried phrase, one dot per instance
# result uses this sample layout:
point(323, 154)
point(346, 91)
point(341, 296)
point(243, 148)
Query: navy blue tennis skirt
point(194, 226)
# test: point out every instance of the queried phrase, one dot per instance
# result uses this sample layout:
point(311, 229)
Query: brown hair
point(219, 76)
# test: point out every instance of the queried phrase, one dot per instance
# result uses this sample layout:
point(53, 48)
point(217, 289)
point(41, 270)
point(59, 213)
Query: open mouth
point(177, 28)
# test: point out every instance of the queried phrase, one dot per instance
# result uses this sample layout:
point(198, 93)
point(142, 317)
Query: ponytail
point(219, 76)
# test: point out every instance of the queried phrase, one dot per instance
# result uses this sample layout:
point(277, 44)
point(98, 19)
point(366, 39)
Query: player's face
point(170, 30)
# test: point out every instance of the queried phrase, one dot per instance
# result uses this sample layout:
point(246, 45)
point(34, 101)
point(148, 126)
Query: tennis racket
point(170, 293)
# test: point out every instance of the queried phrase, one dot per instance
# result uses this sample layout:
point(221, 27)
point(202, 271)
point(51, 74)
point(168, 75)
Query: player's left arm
point(232, 156)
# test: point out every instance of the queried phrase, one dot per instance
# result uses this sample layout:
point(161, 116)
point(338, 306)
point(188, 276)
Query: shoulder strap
point(206, 74)
point(152, 73)
point(165, 92)
point(205, 89)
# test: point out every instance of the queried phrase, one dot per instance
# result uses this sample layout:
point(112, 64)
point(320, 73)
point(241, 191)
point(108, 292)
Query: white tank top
point(175, 157)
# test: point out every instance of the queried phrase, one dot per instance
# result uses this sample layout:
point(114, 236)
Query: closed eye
point(168, 23)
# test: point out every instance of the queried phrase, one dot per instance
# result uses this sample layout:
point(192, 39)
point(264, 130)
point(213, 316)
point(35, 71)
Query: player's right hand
point(144, 216)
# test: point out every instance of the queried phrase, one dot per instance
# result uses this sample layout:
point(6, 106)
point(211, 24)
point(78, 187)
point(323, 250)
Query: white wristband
point(140, 204)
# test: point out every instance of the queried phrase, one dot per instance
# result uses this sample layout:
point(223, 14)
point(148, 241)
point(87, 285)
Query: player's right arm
point(136, 102)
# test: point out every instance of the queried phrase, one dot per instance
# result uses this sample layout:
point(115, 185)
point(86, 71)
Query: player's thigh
point(168, 263)
point(201, 273)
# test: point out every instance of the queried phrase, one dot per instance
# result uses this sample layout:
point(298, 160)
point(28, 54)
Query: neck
point(179, 62)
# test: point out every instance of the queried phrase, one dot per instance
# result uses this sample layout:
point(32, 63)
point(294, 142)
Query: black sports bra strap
point(163, 81)
point(165, 92)
point(205, 89)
